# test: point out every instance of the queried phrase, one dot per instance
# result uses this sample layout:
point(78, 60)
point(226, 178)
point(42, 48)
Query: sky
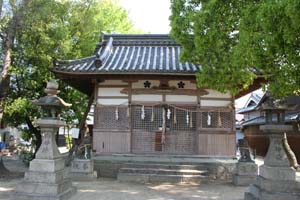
point(152, 16)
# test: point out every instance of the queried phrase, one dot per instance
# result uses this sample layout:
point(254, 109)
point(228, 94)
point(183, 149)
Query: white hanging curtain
point(208, 119)
point(152, 115)
point(117, 113)
point(163, 134)
point(143, 113)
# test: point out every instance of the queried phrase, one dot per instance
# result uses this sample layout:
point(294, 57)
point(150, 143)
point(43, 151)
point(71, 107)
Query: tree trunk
point(5, 78)
point(78, 142)
point(8, 38)
point(37, 134)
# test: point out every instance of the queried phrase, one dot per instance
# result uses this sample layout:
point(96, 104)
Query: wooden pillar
point(130, 115)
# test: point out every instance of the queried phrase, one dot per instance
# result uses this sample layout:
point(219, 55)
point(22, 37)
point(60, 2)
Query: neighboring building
point(147, 102)
point(249, 110)
point(254, 117)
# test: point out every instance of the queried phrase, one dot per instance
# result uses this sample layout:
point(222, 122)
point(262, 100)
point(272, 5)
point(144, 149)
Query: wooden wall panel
point(178, 142)
point(111, 141)
point(210, 103)
point(216, 144)
point(214, 93)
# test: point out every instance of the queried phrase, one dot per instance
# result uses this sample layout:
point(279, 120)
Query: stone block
point(138, 178)
point(258, 193)
point(84, 176)
point(44, 188)
point(278, 186)
point(108, 169)
point(42, 177)
point(246, 168)
point(82, 166)
point(254, 191)
point(249, 196)
point(277, 173)
point(243, 180)
point(278, 196)
point(31, 196)
point(43, 165)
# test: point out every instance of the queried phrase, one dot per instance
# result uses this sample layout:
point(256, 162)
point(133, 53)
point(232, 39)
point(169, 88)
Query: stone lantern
point(277, 179)
point(49, 123)
point(46, 177)
point(51, 104)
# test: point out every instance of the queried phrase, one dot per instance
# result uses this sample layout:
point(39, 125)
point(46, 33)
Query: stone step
point(163, 171)
point(153, 173)
point(161, 178)
point(166, 166)
point(218, 170)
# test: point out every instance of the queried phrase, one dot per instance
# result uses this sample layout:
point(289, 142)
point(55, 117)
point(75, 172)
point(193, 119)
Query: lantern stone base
point(275, 184)
point(276, 179)
point(245, 173)
point(45, 180)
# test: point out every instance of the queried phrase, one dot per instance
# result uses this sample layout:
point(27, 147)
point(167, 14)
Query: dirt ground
point(109, 189)
point(114, 190)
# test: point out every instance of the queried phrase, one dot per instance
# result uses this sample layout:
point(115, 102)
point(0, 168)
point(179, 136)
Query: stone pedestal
point(45, 179)
point(83, 169)
point(276, 179)
point(245, 173)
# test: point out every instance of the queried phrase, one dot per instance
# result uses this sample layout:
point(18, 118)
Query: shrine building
point(147, 101)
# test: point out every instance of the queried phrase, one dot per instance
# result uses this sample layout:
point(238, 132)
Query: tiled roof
point(139, 54)
point(289, 117)
point(246, 109)
point(257, 98)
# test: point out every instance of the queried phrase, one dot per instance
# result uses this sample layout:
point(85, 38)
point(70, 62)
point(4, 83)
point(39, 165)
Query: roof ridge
point(138, 39)
point(57, 61)
point(136, 36)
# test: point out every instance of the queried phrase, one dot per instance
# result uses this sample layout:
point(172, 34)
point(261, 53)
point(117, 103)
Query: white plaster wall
point(147, 98)
point(187, 84)
point(112, 101)
point(181, 98)
point(110, 92)
point(216, 94)
point(113, 82)
point(212, 103)
point(140, 83)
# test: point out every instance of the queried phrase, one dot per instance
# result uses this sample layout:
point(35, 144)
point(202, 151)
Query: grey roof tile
point(289, 117)
point(131, 53)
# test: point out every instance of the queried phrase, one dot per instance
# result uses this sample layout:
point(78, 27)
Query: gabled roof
point(252, 103)
point(131, 54)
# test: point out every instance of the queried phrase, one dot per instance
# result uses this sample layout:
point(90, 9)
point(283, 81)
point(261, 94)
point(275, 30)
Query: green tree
point(55, 29)
point(236, 41)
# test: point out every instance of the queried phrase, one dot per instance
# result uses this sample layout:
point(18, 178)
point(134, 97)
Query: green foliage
point(18, 109)
point(55, 29)
point(236, 40)
point(26, 134)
